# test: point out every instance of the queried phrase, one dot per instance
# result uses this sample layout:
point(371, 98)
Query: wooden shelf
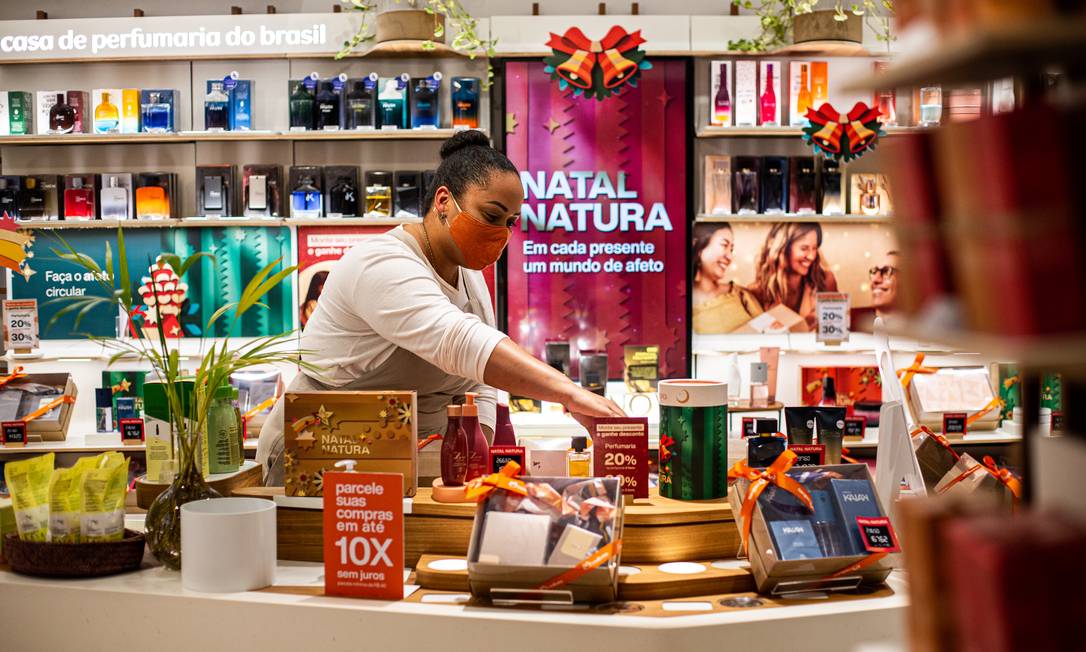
point(227, 136)
point(218, 221)
point(704, 218)
point(774, 132)
point(1028, 47)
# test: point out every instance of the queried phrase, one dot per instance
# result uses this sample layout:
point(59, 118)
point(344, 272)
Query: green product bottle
point(220, 446)
point(693, 439)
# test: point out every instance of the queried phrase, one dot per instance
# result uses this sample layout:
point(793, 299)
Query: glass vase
point(163, 523)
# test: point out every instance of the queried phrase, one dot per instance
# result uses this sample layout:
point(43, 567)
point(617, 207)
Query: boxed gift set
point(375, 429)
point(44, 401)
point(548, 540)
point(803, 528)
point(935, 391)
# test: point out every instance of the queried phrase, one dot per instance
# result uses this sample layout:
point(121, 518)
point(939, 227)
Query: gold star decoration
point(305, 441)
point(122, 386)
point(325, 416)
point(552, 125)
point(511, 123)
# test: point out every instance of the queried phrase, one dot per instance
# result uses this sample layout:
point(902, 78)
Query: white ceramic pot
point(228, 545)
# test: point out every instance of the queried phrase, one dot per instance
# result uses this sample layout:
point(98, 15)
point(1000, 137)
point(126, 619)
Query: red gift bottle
point(503, 428)
point(478, 449)
point(454, 451)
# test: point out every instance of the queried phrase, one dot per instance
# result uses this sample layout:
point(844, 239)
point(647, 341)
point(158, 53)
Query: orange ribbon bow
point(941, 440)
point(759, 480)
point(47, 407)
point(15, 375)
point(1002, 474)
point(481, 487)
point(906, 374)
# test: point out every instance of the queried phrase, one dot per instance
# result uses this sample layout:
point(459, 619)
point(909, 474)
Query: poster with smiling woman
point(763, 277)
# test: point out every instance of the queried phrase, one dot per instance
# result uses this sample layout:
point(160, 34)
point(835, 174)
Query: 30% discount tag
point(21, 325)
point(831, 310)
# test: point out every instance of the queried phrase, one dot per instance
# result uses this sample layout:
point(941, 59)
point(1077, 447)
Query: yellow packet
point(66, 500)
point(104, 488)
point(28, 482)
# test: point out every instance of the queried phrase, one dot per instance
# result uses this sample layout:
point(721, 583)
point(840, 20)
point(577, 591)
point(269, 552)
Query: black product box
point(215, 191)
point(407, 195)
point(341, 193)
point(261, 193)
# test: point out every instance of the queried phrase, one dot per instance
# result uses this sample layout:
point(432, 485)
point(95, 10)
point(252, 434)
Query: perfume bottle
point(454, 450)
point(769, 99)
point(803, 99)
point(931, 106)
point(378, 194)
point(327, 107)
point(30, 201)
point(478, 449)
point(343, 198)
point(241, 105)
point(829, 392)
point(79, 201)
point(745, 185)
point(759, 384)
point(718, 173)
point(886, 99)
point(831, 199)
point(870, 203)
point(393, 109)
point(216, 108)
point(774, 185)
point(103, 408)
point(426, 102)
point(465, 102)
point(61, 117)
point(107, 119)
point(803, 193)
point(114, 200)
point(579, 459)
point(360, 102)
point(152, 203)
point(9, 199)
point(306, 200)
point(819, 84)
point(503, 427)
point(130, 111)
point(301, 108)
point(722, 103)
point(156, 114)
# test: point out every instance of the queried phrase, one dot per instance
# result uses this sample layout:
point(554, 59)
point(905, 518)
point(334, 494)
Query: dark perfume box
point(803, 186)
point(298, 172)
point(341, 191)
point(795, 540)
point(261, 194)
point(51, 188)
point(774, 184)
point(854, 498)
point(407, 193)
point(80, 103)
point(215, 191)
point(763, 451)
point(746, 171)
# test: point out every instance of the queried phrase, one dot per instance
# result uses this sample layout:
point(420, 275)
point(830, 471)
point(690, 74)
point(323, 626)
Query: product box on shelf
point(40, 197)
point(156, 196)
point(341, 195)
point(641, 365)
point(129, 101)
point(124, 384)
point(720, 99)
point(45, 399)
point(16, 113)
point(306, 183)
point(869, 194)
point(375, 429)
point(799, 96)
point(44, 101)
point(81, 196)
point(261, 195)
point(241, 105)
point(158, 110)
point(718, 185)
point(831, 190)
point(215, 191)
point(771, 98)
point(954, 389)
point(531, 534)
point(106, 104)
point(118, 199)
point(257, 391)
point(746, 93)
point(793, 548)
point(407, 198)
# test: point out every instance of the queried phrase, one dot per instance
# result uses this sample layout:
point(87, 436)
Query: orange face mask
point(480, 243)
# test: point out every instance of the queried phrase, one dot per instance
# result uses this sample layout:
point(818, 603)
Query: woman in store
point(790, 270)
point(719, 305)
point(409, 310)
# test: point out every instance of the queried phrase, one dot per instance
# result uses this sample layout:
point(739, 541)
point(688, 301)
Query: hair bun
point(462, 140)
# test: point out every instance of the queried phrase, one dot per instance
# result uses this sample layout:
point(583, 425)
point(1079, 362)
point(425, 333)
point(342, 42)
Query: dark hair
point(702, 234)
point(467, 159)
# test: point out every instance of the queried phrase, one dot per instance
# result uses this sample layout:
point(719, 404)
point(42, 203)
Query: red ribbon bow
point(759, 480)
point(585, 54)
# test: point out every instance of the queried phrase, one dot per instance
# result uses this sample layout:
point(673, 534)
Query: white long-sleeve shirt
point(383, 295)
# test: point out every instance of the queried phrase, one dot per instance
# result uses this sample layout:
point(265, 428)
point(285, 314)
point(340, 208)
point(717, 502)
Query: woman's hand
point(585, 407)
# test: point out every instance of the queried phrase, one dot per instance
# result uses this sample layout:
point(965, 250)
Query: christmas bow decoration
point(481, 487)
point(917, 367)
point(777, 474)
point(843, 137)
point(596, 68)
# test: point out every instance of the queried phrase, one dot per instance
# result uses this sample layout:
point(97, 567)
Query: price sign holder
point(363, 535)
point(620, 447)
point(809, 454)
point(855, 427)
point(14, 433)
point(878, 534)
point(131, 431)
point(20, 325)
point(748, 427)
point(500, 455)
point(832, 313)
point(1057, 422)
point(955, 423)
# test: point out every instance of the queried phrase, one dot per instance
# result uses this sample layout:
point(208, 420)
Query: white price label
point(21, 325)
point(832, 312)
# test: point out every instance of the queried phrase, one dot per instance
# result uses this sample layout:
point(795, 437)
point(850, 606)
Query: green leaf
point(217, 314)
point(122, 271)
point(188, 262)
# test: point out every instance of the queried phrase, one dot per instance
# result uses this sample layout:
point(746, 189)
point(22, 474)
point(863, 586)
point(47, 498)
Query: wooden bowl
point(75, 559)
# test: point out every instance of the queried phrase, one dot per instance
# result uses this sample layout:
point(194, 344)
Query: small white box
point(5, 115)
point(746, 93)
point(573, 546)
point(514, 539)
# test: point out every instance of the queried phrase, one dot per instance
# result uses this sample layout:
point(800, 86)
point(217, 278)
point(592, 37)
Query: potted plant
point(788, 22)
point(188, 397)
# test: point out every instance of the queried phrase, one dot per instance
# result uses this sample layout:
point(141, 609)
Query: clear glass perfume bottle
point(114, 201)
point(360, 104)
point(61, 117)
point(9, 198)
point(426, 102)
point(722, 102)
point(721, 187)
point(803, 99)
point(107, 119)
point(465, 102)
point(769, 99)
point(216, 108)
point(79, 202)
point(306, 200)
point(301, 108)
point(931, 106)
point(343, 198)
point(378, 194)
point(869, 196)
point(327, 107)
point(30, 202)
point(156, 114)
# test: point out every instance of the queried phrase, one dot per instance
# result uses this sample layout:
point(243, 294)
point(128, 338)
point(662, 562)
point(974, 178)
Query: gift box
point(375, 429)
point(795, 548)
point(28, 395)
point(954, 389)
point(936, 458)
point(547, 540)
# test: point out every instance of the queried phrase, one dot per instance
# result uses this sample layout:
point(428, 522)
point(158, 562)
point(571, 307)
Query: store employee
point(409, 310)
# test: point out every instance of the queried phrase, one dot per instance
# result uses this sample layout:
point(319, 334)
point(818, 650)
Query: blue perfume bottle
point(426, 102)
point(392, 104)
point(465, 102)
point(306, 199)
point(216, 107)
point(156, 110)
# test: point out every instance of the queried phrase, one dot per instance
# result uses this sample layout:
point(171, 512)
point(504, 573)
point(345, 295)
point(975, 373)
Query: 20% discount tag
point(363, 535)
point(831, 309)
point(20, 324)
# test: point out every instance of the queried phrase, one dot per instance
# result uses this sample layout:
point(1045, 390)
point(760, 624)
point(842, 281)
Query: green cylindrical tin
point(693, 439)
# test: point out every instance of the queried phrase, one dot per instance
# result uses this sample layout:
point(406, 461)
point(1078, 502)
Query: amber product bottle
point(579, 459)
point(454, 450)
point(478, 448)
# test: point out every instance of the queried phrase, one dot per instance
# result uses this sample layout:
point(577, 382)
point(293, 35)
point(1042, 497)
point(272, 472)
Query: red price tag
point(809, 454)
point(620, 447)
point(748, 427)
point(502, 455)
point(878, 534)
point(131, 431)
point(363, 535)
point(955, 423)
point(14, 433)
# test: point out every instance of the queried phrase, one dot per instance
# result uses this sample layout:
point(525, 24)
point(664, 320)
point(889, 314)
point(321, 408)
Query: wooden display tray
point(635, 582)
point(250, 475)
point(656, 530)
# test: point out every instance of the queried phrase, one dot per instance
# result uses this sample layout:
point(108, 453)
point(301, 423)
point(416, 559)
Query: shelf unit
point(777, 132)
point(227, 136)
point(217, 221)
point(703, 218)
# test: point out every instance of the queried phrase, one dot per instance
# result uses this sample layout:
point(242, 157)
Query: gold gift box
point(375, 429)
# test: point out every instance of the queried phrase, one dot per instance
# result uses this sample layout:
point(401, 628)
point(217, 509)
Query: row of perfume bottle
point(78, 197)
point(128, 110)
point(747, 185)
point(373, 102)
